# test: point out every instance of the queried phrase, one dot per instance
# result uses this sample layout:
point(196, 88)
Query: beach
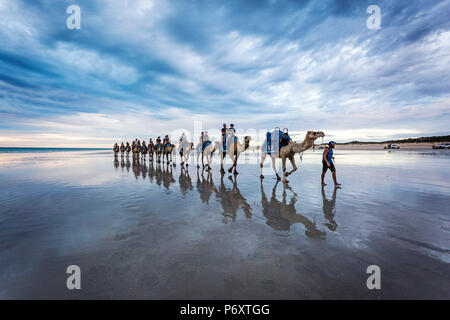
point(139, 230)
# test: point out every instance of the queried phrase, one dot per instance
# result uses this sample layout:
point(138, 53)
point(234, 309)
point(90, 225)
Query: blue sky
point(147, 68)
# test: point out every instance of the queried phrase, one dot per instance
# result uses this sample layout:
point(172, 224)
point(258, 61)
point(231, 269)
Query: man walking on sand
point(327, 162)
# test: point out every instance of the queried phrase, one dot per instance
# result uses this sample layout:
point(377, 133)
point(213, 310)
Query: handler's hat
point(331, 142)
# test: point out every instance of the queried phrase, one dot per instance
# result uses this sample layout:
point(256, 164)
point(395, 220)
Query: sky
point(146, 68)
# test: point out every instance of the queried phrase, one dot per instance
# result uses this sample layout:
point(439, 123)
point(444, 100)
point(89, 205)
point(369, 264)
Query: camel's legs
point(283, 162)
point(187, 158)
point(294, 167)
point(274, 167)
point(231, 154)
point(263, 157)
point(222, 155)
point(234, 158)
point(198, 156)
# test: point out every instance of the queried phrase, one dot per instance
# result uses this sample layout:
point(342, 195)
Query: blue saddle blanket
point(275, 141)
point(225, 142)
point(207, 143)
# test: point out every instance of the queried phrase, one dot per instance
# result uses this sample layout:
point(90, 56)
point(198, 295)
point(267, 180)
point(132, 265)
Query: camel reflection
point(116, 161)
point(280, 215)
point(136, 167)
point(164, 175)
point(329, 210)
point(185, 181)
point(231, 199)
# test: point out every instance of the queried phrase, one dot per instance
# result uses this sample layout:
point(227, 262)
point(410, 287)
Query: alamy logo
point(74, 280)
point(374, 21)
point(374, 280)
point(74, 20)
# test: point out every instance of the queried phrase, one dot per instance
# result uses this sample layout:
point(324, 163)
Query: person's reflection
point(205, 187)
point(232, 200)
point(280, 215)
point(136, 168)
point(185, 181)
point(116, 161)
point(329, 209)
point(167, 176)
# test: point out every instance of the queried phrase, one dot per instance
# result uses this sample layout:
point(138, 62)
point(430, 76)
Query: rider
point(182, 141)
point(232, 132)
point(224, 138)
point(116, 147)
point(158, 141)
point(150, 143)
point(205, 139)
point(201, 140)
point(144, 147)
point(166, 142)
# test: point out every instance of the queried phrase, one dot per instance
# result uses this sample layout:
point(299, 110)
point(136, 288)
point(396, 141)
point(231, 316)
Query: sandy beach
point(145, 231)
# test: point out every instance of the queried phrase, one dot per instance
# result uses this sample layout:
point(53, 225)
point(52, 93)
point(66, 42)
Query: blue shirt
point(329, 155)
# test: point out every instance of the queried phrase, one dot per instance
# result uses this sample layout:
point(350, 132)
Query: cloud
point(141, 68)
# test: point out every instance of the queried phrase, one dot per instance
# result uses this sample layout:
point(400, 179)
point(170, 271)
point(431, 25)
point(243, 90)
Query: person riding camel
point(150, 144)
point(224, 139)
point(116, 147)
point(127, 147)
point(122, 147)
point(158, 142)
point(232, 132)
point(204, 140)
point(183, 141)
point(166, 142)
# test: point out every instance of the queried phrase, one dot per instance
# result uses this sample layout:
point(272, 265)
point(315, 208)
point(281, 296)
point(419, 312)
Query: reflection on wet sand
point(185, 181)
point(280, 215)
point(116, 161)
point(231, 199)
point(329, 210)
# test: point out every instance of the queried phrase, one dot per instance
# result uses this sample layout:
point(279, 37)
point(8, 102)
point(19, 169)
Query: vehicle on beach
point(442, 146)
point(392, 146)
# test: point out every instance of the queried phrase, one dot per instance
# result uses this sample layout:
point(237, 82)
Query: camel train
point(277, 145)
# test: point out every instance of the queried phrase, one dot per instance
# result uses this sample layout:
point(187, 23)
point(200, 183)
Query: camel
point(288, 152)
point(233, 149)
point(136, 151)
point(168, 151)
point(144, 151)
point(281, 216)
point(116, 150)
point(122, 149)
point(209, 150)
point(151, 150)
point(158, 151)
point(128, 149)
point(185, 150)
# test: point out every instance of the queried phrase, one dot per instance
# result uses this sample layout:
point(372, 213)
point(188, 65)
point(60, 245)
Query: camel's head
point(313, 135)
point(247, 142)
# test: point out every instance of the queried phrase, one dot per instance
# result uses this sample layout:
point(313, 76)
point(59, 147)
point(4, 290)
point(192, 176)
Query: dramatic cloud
point(149, 67)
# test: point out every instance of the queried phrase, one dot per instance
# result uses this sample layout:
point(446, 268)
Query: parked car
point(442, 146)
point(392, 146)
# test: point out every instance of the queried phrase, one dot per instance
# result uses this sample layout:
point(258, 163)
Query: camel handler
point(327, 162)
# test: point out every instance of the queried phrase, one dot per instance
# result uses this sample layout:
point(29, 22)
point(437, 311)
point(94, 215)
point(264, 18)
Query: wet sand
point(143, 231)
